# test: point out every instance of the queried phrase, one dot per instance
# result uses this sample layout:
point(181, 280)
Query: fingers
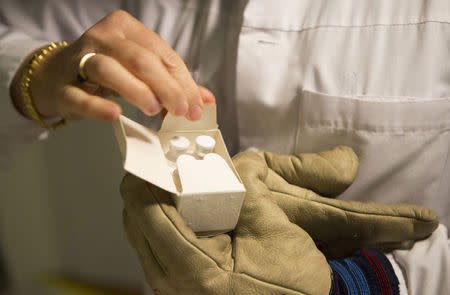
point(195, 96)
point(138, 64)
point(169, 79)
point(106, 71)
point(109, 73)
point(76, 103)
point(180, 73)
point(147, 42)
point(328, 173)
point(207, 95)
point(342, 227)
point(147, 67)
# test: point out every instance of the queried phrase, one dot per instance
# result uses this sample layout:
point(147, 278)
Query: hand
point(131, 60)
point(272, 249)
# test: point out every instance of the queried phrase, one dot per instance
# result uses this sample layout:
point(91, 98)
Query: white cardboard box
point(208, 207)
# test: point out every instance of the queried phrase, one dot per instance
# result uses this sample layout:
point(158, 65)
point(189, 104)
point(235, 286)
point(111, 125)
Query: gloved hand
point(272, 249)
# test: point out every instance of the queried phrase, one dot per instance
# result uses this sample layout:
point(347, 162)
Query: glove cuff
point(367, 271)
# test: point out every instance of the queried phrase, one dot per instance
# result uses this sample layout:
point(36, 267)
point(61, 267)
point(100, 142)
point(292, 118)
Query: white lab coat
point(293, 76)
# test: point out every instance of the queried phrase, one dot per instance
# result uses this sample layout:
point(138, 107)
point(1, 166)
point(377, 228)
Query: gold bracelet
point(25, 83)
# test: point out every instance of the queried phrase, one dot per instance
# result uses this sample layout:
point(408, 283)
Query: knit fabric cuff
point(367, 271)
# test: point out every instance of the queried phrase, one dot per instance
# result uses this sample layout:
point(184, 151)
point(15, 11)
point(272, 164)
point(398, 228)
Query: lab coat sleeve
point(25, 26)
point(15, 130)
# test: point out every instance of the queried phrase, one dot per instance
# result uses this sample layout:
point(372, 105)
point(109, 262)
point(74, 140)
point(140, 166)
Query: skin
point(131, 61)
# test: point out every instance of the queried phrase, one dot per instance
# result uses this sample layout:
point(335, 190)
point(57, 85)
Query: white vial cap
point(179, 143)
point(204, 144)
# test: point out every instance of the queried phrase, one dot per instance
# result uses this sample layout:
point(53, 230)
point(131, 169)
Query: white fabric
point(427, 264)
point(301, 76)
point(399, 273)
point(373, 75)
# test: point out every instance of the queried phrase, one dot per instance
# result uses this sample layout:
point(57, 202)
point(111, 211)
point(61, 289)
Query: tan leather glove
point(272, 250)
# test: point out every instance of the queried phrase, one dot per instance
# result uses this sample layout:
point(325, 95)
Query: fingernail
point(155, 107)
point(181, 109)
point(195, 112)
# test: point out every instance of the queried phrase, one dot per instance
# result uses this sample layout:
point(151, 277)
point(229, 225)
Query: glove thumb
point(328, 173)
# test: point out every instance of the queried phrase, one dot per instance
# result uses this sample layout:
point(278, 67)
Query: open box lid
point(141, 149)
point(207, 122)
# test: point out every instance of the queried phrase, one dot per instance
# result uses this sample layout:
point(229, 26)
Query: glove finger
point(181, 253)
point(328, 173)
point(341, 227)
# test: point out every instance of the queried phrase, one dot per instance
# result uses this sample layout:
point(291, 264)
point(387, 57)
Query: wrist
point(27, 88)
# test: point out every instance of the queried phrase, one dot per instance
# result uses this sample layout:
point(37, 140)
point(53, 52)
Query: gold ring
point(81, 74)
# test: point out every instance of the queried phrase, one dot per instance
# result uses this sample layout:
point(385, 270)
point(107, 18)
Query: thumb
point(328, 173)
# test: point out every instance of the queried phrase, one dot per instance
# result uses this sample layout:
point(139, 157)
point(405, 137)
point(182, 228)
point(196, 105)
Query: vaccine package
point(189, 160)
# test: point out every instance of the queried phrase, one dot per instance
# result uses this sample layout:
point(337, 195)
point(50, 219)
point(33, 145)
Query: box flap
point(207, 122)
point(142, 153)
